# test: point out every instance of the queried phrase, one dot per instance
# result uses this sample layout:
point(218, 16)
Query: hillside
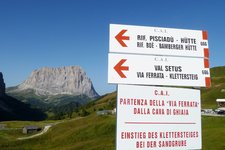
point(93, 132)
point(55, 91)
point(12, 109)
point(107, 102)
point(49, 87)
point(217, 89)
point(44, 102)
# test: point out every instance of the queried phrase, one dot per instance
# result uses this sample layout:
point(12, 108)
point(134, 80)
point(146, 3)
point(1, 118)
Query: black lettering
point(173, 68)
point(150, 45)
point(140, 44)
point(158, 68)
point(188, 40)
point(203, 43)
point(140, 74)
point(141, 37)
point(161, 39)
point(171, 46)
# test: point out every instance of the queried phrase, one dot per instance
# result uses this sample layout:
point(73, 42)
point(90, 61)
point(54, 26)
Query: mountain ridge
point(2, 85)
point(55, 91)
point(49, 81)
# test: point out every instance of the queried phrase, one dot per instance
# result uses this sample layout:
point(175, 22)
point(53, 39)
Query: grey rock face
point(2, 85)
point(54, 81)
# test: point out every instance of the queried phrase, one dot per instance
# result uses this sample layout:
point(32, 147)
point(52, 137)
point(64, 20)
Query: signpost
point(151, 117)
point(158, 118)
point(158, 70)
point(158, 41)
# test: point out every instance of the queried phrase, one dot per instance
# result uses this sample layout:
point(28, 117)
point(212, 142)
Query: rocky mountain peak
point(2, 85)
point(56, 81)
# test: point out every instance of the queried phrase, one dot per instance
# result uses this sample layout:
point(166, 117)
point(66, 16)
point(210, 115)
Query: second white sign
point(158, 70)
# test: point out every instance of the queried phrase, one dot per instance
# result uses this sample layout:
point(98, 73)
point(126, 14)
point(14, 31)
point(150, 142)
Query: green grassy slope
point(13, 109)
point(95, 132)
point(98, 133)
point(213, 133)
point(218, 71)
point(14, 129)
point(217, 90)
point(107, 102)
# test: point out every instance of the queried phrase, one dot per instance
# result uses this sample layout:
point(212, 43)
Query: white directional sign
point(158, 118)
point(158, 70)
point(159, 41)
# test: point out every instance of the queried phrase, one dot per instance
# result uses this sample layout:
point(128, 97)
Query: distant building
point(221, 102)
point(31, 129)
point(221, 106)
point(114, 111)
point(106, 112)
point(103, 112)
point(2, 126)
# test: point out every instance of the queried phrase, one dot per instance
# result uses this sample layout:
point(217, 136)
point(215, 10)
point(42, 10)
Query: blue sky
point(54, 33)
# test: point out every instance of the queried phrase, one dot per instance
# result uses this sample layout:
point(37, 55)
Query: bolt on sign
point(158, 41)
point(158, 118)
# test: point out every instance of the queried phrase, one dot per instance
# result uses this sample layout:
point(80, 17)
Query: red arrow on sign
point(119, 68)
point(119, 37)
